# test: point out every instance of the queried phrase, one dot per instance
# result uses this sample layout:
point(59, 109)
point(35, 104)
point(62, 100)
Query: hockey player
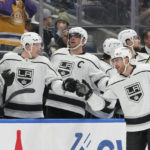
point(109, 46)
point(32, 73)
point(73, 62)
point(131, 86)
point(13, 14)
point(130, 39)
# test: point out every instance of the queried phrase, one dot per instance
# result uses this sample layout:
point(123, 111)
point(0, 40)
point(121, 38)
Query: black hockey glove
point(8, 77)
point(69, 85)
point(84, 89)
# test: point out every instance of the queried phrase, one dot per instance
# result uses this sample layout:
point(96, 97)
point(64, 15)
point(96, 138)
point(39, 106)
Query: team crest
point(65, 68)
point(134, 92)
point(24, 76)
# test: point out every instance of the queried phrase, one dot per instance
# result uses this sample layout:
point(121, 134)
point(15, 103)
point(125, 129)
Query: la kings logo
point(24, 76)
point(134, 92)
point(65, 68)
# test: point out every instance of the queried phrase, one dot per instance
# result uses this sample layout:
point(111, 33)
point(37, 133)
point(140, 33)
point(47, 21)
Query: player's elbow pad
point(102, 84)
point(96, 102)
point(56, 87)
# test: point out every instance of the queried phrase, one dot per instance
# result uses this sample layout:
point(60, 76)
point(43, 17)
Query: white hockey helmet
point(110, 44)
point(122, 52)
point(127, 34)
point(30, 38)
point(80, 31)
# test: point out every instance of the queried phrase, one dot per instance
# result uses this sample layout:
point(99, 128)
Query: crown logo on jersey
point(24, 76)
point(65, 68)
point(17, 17)
point(134, 92)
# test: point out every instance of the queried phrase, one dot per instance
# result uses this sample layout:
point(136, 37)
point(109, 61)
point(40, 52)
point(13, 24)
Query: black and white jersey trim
point(58, 54)
point(45, 64)
point(141, 72)
point(117, 82)
point(106, 109)
point(67, 100)
point(10, 60)
point(97, 81)
point(24, 107)
point(139, 120)
point(108, 70)
point(90, 61)
point(142, 60)
point(133, 75)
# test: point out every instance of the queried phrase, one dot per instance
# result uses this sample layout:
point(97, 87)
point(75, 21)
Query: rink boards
point(62, 134)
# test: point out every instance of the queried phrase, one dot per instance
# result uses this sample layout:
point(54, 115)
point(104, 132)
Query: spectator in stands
point(146, 39)
point(47, 34)
point(14, 13)
point(54, 46)
point(62, 23)
point(65, 37)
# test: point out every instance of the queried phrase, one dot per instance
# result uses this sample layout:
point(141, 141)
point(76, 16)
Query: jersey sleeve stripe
point(108, 70)
point(143, 60)
point(96, 82)
point(106, 109)
point(67, 100)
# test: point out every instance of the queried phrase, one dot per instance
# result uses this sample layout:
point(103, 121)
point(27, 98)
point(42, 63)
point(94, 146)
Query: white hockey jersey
point(29, 73)
point(133, 94)
point(140, 58)
point(109, 71)
point(78, 67)
point(107, 68)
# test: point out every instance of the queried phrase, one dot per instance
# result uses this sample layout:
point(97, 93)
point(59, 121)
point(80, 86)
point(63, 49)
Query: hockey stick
point(22, 91)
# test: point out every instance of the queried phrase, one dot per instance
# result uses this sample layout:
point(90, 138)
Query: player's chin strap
point(125, 68)
point(81, 44)
point(132, 49)
point(29, 52)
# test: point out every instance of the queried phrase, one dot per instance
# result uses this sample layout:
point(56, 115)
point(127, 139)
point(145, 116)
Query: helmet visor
point(76, 35)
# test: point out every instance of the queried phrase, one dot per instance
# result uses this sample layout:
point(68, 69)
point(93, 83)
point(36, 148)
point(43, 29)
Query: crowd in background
point(69, 82)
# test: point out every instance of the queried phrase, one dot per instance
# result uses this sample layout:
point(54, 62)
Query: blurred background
point(101, 18)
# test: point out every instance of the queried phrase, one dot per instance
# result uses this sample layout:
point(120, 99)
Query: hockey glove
point(8, 77)
point(69, 85)
point(84, 89)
